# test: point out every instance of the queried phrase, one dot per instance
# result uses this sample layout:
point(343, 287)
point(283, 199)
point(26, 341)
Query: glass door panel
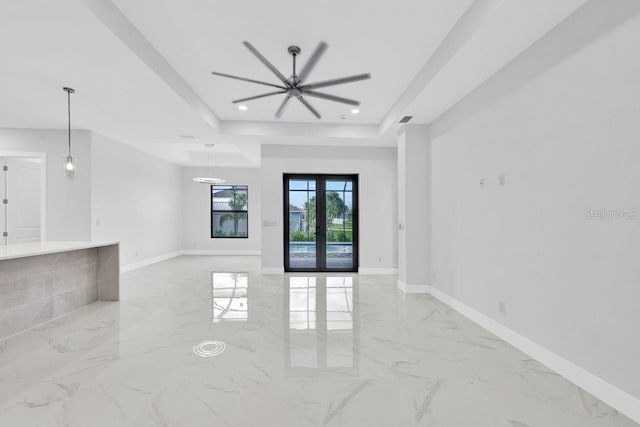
point(339, 224)
point(302, 224)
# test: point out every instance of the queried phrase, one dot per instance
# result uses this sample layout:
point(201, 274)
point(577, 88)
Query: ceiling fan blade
point(334, 82)
point(268, 64)
point(331, 97)
point(313, 60)
point(244, 79)
point(251, 98)
point(309, 106)
point(283, 106)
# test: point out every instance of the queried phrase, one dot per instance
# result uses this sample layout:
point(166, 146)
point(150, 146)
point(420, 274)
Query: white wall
point(377, 197)
point(68, 200)
point(567, 140)
point(196, 202)
point(414, 212)
point(136, 199)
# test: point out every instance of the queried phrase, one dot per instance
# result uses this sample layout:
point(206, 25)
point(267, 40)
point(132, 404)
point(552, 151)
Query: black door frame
point(321, 220)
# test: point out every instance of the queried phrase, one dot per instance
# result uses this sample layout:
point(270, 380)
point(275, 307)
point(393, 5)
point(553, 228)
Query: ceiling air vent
point(406, 119)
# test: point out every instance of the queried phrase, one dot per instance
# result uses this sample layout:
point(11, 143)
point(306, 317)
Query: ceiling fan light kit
point(296, 86)
point(208, 179)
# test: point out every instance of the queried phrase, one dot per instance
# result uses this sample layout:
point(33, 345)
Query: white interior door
point(23, 209)
point(3, 196)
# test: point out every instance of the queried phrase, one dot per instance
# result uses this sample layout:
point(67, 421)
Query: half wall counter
point(44, 280)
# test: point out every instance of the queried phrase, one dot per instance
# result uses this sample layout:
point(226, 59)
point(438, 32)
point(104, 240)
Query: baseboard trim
point(222, 252)
point(272, 270)
point(608, 393)
point(148, 261)
point(409, 288)
point(378, 271)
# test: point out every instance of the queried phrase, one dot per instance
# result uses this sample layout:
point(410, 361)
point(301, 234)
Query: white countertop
point(23, 250)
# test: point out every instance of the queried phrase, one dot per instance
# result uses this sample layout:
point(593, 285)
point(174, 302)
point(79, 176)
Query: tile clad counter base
point(40, 288)
point(109, 273)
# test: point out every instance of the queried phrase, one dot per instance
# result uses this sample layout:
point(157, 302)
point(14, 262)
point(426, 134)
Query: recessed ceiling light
point(187, 137)
point(343, 117)
point(355, 111)
point(242, 107)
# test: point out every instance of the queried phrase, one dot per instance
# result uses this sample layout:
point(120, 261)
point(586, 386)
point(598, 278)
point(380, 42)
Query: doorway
point(320, 222)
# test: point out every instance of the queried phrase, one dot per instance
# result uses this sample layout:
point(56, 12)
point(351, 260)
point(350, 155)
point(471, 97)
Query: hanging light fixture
point(209, 180)
point(69, 165)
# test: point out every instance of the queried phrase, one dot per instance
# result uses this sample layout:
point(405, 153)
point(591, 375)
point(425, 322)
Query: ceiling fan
point(295, 85)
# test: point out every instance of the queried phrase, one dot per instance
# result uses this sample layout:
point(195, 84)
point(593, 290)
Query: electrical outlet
point(379, 259)
point(502, 180)
point(502, 306)
point(433, 275)
point(481, 183)
point(136, 254)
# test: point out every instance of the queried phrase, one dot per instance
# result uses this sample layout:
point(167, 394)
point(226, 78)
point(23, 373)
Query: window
point(229, 211)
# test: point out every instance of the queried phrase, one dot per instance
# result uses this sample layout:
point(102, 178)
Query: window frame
point(234, 212)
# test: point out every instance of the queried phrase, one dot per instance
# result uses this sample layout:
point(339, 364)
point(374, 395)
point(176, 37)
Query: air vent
point(406, 119)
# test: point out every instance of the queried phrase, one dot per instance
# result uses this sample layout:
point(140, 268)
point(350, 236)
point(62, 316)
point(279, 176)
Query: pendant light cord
point(69, 92)
point(209, 168)
point(69, 119)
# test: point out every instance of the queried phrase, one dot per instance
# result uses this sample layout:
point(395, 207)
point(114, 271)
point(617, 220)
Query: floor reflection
point(320, 325)
point(230, 296)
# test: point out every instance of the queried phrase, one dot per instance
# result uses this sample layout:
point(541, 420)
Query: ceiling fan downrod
point(294, 51)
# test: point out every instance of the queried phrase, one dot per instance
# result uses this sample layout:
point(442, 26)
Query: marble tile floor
point(294, 350)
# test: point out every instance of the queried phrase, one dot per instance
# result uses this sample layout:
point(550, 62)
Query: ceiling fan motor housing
point(294, 50)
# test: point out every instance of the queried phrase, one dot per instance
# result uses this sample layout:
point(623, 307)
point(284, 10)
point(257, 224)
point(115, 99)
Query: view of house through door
point(320, 222)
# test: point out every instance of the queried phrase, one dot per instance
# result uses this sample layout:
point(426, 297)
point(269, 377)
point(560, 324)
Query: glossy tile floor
point(185, 347)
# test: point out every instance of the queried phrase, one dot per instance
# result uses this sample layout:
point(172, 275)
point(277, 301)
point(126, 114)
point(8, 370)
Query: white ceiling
point(142, 73)
point(389, 39)
point(515, 26)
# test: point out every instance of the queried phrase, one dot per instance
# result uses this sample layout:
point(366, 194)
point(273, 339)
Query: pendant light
point(69, 165)
point(209, 179)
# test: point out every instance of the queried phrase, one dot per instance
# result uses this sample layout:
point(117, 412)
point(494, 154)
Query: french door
point(320, 222)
